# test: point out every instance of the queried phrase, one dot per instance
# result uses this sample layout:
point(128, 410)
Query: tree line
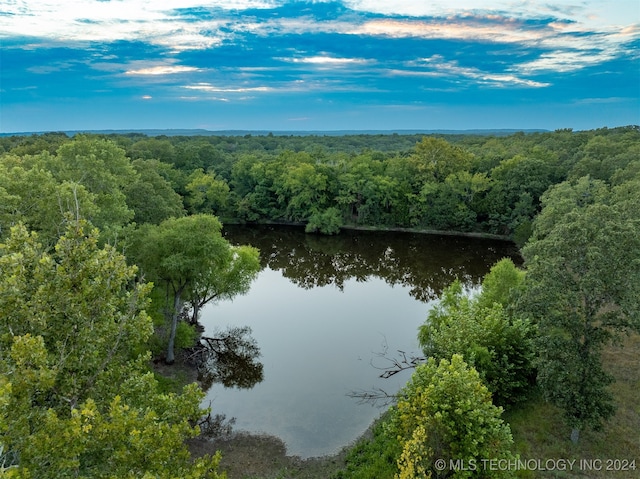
point(489, 184)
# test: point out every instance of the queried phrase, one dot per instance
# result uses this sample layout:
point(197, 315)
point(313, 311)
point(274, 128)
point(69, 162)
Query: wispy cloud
point(325, 60)
point(208, 87)
point(437, 66)
point(604, 100)
point(162, 70)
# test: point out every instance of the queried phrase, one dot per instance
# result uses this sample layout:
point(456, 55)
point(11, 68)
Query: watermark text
point(551, 464)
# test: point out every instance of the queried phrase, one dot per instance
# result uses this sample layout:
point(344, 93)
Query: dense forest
point(88, 224)
point(456, 182)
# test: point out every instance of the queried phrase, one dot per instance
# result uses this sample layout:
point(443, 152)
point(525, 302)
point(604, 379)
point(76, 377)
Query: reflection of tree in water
point(424, 263)
point(229, 358)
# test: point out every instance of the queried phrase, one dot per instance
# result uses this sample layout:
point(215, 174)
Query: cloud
point(591, 12)
point(208, 87)
point(82, 21)
point(162, 70)
point(437, 67)
point(325, 61)
point(499, 30)
point(604, 101)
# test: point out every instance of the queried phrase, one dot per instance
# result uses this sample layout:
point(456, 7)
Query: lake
point(325, 312)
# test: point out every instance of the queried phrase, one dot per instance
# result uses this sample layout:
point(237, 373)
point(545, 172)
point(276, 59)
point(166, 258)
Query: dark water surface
point(321, 312)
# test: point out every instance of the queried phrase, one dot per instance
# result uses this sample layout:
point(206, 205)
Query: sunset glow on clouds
point(97, 64)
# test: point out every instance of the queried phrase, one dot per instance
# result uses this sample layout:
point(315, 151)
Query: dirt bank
point(249, 456)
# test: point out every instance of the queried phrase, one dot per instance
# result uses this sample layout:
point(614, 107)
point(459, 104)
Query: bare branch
point(390, 366)
point(376, 397)
point(394, 365)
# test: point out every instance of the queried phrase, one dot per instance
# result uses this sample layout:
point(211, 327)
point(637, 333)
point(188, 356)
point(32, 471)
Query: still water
point(323, 310)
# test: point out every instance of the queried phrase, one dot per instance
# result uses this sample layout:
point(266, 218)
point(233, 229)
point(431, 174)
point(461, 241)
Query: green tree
point(514, 198)
point(327, 222)
point(152, 149)
point(582, 288)
point(76, 399)
point(445, 412)
point(499, 347)
point(77, 299)
point(34, 197)
point(501, 284)
point(252, 179)
point(299, 186)
point(601, 156)
point(451, 204)
point(435, 159)
point(151, 196)
point(192, 259)
point(364, 193)
point(104, 170)
point(206, 193)
point(231, 275)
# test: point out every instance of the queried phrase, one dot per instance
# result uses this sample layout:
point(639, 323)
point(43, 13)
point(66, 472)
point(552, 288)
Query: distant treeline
point(459, 182)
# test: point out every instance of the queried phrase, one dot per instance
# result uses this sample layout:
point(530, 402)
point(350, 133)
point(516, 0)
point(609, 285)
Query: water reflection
point(321, 310)
point(424, 263)
point(230, 358)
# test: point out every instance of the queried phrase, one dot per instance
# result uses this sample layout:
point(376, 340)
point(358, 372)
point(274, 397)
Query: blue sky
point(320, 65)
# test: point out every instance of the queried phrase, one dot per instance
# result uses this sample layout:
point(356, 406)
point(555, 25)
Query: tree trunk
point(196, 311)
point(177, 305)
point(575, 435)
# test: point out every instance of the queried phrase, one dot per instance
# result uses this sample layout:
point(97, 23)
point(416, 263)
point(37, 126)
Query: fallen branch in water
point(390, 367)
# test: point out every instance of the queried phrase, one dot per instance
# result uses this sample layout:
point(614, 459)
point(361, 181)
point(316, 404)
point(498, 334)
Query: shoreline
point(263, 456)
point(253, 454)
point(382, 229)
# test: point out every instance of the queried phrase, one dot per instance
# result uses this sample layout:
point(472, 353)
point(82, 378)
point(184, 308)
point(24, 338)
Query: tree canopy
point(445, 413)
point(190, 257)
point(76, 399)
point(582, 289)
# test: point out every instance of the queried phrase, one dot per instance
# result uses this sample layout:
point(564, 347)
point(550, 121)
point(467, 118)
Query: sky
point(276, 65)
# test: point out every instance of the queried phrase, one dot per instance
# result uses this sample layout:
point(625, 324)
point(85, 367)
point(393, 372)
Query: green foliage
point(451, 204)
point(328, 222)
point(453, 182)
point(501, 284)
point(500, 348)
point(445, 412)
point(75, 397)
point(190, 257)
point(375, 457)
point(582, 288)
point(562, 199)
point(33, 196)
point(485, 333)
point(206, 193)
point(186, 335)
point(151, 196)
point(104, 170)
point(436, 159)
point(152, 149)
point(78, 299)
point(231, 275)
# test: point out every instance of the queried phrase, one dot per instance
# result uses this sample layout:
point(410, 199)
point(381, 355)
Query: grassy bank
point(540, 433)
